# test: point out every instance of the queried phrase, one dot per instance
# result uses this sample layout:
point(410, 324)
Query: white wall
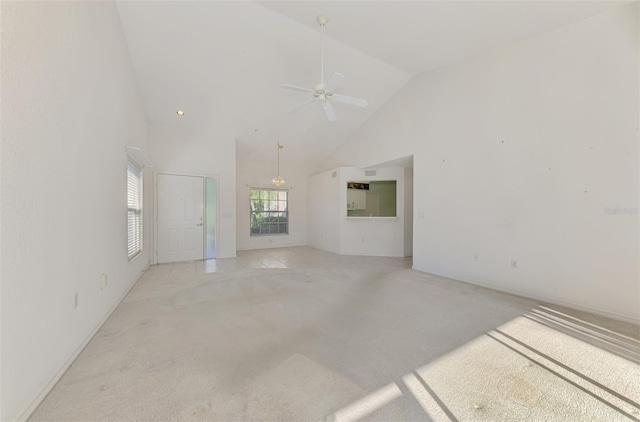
point(181, 150)
point(323, 211)
point(70, 105)
point(329, 228)
point(377, 236)
point(252, 173)
point(408, 211)
point(517, 155)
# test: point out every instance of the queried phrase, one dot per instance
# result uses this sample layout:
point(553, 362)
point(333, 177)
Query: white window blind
point(134, 209)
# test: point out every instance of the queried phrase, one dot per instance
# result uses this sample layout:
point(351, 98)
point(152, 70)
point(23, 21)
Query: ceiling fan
point(324, 92)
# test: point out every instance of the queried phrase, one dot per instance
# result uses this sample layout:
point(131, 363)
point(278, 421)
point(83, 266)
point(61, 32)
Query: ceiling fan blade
point(329, 111)
point(302, 106)
point(334, 81)
point(296, 88)
point(358, 102)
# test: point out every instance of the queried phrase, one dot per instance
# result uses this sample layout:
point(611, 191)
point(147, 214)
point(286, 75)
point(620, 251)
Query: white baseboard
point(270, 246)
point(550, 300)
point(24, 415)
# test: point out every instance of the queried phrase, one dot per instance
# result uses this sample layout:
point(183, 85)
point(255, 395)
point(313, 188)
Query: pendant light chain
point(278, 180)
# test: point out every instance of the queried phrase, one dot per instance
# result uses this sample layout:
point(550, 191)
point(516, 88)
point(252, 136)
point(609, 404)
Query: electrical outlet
point(75, 300)
point(514, 264)
point(104, 280)
point(476, 257)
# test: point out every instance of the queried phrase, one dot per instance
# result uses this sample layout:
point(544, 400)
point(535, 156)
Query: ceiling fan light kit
point(324, 92)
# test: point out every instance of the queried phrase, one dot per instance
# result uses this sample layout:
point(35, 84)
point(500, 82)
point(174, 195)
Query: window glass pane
point(268, 212)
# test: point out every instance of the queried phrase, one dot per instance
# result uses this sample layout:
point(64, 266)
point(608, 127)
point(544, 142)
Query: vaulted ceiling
point(222, 61)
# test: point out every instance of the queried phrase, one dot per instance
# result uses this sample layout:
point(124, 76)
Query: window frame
point(139, 225)
point(357, 192)
point(270, 212)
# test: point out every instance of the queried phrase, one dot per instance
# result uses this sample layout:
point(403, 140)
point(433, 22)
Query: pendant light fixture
point(278, 180)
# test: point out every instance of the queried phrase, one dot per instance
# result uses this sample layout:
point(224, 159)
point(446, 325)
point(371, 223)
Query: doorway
point(186, 217)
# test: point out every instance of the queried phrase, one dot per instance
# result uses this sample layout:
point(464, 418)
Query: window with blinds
point(134, 210)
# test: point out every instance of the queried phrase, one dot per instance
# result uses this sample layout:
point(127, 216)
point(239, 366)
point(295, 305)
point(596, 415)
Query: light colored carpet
point(297, 334)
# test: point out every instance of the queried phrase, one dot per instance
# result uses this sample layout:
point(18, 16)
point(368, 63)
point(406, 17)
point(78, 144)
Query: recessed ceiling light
point(180, 113)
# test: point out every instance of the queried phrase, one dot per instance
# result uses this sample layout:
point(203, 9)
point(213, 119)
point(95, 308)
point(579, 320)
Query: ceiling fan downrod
point(322, 20)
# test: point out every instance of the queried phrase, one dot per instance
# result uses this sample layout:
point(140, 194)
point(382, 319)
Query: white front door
point(180, 218)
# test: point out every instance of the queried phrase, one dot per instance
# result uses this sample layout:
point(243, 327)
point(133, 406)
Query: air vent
point(334, 174)
point(369, 172)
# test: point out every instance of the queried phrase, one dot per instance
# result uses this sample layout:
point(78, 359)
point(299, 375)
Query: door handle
point(199, 224)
